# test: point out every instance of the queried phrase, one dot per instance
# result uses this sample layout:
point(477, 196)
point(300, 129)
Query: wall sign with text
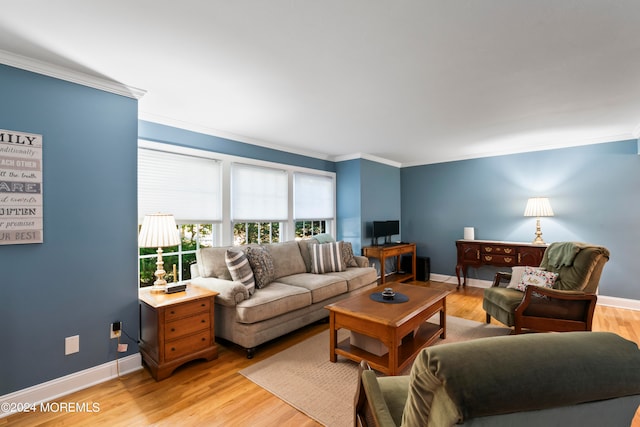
point(20, 187)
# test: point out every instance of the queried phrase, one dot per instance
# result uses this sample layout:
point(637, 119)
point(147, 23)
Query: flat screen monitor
point(386, 228)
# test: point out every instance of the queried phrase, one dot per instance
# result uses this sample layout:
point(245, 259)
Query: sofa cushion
point(326, 257)
point(303, 244)
point(348, 258)
point(272, 301)
point(321, 286)
point(262, 265)
point(211, 262)
point(240, 269)
point(287, 259)
point(357, 277)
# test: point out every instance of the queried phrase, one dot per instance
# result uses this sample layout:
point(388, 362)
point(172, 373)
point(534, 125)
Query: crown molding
point(62, 73)
point(193, 127)
point(530, 149)
point(366, 156)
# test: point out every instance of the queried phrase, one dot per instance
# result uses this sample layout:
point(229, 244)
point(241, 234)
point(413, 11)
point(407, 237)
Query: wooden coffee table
point(402, 327)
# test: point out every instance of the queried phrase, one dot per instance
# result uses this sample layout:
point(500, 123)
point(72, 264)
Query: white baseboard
point(68, 384)
point(626, 303)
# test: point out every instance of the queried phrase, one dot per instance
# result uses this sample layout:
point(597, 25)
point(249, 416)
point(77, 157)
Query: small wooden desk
point(476, 253)
point(382, 252)
point(402, 328)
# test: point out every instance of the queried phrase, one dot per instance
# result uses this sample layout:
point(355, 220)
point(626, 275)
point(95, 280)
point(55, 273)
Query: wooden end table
point(176, 328)
point(402, 327)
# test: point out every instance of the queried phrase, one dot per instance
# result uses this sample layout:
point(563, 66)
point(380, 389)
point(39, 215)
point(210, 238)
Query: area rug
point(303, 376)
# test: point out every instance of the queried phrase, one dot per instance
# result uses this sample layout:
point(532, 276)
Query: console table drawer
point(498, 250)
point(187, 309)
point(499, 259)
point(187, 326)
point(186, 345)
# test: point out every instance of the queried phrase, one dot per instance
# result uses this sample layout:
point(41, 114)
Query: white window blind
point(313, 196)
point(186, 186)
point(258, 193)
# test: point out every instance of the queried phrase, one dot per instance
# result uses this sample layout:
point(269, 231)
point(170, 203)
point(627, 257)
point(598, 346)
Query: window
point(189, 187)
point(313, 203)
point(259, 203)
point(218, 199)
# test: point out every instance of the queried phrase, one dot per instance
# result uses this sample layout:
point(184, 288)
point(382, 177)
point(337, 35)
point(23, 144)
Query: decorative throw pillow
point(537, 277)
point(261, 264)
point(348, 259)
point(516, 277)
point(326, 257)
point(240, 269)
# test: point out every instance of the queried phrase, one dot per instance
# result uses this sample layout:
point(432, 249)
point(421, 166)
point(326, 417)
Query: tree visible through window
point(192, 237)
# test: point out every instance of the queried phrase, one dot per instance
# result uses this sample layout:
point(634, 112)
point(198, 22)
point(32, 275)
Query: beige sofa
point(295, 298)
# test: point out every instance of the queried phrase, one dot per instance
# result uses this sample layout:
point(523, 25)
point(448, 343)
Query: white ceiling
point(409, 81)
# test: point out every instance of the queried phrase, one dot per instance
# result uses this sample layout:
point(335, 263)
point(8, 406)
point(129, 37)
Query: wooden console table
point(382, 252)
point(476, 253)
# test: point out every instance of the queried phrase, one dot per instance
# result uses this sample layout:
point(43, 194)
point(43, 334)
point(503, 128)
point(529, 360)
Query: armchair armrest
point(370, 400)
point(230, 292)
point(501, 276)
point(555, 310)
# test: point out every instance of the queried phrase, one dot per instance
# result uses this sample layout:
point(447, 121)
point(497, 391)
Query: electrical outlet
point(72, 344)
point(115, 330)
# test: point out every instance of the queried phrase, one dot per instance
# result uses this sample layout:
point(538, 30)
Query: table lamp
point(538, 207)
point(158, 230)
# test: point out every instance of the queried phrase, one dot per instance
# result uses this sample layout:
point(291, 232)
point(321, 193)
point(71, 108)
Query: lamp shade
point(158, 230)
point(538, 207)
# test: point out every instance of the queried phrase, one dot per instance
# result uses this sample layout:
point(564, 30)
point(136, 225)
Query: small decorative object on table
point(388, 293)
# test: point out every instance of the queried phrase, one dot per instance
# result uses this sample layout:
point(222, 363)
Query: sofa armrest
point(230, 293)
point(362, 261)
point(195, 271)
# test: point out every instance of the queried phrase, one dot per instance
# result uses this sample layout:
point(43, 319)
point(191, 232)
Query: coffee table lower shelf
point(411, 345)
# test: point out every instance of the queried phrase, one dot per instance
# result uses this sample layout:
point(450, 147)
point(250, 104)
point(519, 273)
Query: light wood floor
point(214, 394)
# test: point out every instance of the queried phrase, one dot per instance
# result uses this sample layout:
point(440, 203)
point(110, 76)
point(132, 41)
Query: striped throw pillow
point(326, 257)
point(240, 269)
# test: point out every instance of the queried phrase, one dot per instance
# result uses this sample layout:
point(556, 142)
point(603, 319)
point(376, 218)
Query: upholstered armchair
point(571, 271)
point(571, 379)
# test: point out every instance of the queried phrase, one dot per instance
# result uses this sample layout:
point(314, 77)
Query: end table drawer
point(187, 309)
point(188, 325)
point(187, 345)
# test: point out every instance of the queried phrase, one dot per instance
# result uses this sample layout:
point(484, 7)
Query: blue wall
point(84, 276)
point(367, 191)
point(170, 135)
point(381, 196)
point(348, 203)
point(592, 189)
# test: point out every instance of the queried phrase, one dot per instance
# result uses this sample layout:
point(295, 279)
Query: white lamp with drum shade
point(159, 230)
point(538, 207)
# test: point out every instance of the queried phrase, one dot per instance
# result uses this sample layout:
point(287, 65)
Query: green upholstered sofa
point(573, 378)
